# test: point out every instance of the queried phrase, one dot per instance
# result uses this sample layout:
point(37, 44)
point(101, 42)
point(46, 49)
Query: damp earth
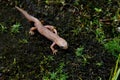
point(87, 26)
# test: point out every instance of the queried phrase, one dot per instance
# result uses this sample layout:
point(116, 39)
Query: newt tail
point(28, 16)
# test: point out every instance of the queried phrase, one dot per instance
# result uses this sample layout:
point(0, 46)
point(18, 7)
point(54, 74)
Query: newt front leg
point(51, 28)
point(52, 48)
point(32, 30)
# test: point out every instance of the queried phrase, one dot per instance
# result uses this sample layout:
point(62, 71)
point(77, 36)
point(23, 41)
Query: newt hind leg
point(31, 32)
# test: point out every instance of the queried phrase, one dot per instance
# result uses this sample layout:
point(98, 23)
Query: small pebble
point(0, 74)
point(118, 29)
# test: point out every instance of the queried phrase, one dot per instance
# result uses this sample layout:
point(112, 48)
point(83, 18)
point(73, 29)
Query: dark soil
point(34, 59)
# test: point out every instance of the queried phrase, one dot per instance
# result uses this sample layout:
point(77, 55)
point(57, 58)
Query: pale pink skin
point(48, 31)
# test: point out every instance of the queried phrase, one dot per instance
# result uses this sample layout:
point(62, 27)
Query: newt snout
point(62, 43)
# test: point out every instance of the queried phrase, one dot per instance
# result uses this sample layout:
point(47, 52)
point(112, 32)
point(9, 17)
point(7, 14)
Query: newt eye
point(63, 47)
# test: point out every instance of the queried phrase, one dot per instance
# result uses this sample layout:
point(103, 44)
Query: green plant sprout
point(79, 51)
point(23, 41)
point(76, 2)
point(76, 31)
point(116, 16)
point(98, 10)
point(99, 64)
point(54, 1)
point(116, 72)
point(100, 36)
point(15, 28)
point(2, 28)
point(113, 46)
point(58, 74)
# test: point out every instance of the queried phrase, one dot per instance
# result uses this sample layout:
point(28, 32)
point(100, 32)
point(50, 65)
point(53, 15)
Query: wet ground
point(25, 57)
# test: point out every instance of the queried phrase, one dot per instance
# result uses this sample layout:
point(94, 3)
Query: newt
point(47, 31)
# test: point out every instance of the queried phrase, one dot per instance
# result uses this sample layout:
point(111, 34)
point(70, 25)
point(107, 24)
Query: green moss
point(113, 46)
point(79, 51)
point(15, 28)
point(3, 28)
point(58, 74)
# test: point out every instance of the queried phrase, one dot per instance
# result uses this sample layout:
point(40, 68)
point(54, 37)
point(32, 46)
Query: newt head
point(62, 43)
